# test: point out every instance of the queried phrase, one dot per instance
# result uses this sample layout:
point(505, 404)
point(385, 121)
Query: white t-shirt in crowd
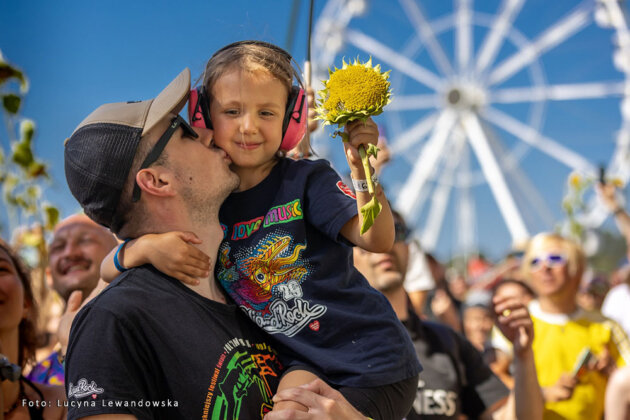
point(418, 277)
point(616, 306)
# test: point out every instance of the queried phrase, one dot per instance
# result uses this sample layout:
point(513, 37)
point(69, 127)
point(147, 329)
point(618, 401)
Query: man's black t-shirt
point(151, 347)
point(455, 380)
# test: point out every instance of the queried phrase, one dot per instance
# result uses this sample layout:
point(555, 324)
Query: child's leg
point(292, 379)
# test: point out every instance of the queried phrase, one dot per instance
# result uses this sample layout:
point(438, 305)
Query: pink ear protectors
point(198, 112)
point(293, 125)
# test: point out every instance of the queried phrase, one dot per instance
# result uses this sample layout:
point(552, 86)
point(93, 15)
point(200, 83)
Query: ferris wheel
point(494, 104)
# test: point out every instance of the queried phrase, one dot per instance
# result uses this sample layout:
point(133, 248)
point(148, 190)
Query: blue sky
point(80, 54)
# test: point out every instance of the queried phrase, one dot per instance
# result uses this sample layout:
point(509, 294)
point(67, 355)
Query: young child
point(286, 259)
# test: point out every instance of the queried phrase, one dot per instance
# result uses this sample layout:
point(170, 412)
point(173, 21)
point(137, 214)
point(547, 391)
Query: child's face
point(247, 110)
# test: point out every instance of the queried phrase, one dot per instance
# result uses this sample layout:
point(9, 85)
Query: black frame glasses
point(157, 150)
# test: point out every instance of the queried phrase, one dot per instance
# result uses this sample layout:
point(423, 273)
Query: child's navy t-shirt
point(284, 263)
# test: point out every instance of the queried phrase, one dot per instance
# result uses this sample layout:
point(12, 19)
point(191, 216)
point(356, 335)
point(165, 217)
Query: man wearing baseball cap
point(149, 346)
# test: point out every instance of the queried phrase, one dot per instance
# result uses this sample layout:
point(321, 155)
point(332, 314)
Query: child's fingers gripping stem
point(359, 133)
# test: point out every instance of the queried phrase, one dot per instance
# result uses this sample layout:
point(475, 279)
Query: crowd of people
point(212, 276)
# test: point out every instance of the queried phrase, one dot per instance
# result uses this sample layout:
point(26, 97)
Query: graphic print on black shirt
point(266, 282)
point(242, 370)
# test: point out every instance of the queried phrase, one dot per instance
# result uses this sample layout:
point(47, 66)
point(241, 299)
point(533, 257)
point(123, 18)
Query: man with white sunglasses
point(575, 351)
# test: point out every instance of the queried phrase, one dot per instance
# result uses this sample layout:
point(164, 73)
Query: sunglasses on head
point(551, 260)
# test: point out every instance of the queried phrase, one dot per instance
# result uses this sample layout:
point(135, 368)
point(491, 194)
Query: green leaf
point(37, 169)
point(372, 150)
point(7, 72)
point(27, 130)
point(10, 183)
point(369, 212)
point(22, 154)
point(33, 192)
point(11, 103)
point(32, 239)
point(51, 214)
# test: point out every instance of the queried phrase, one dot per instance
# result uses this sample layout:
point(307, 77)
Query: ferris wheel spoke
point(413, 102)
point(441, 194)
point(493, 41)
point(394, 59)
point(414, 134)
point(566, 92)
point(509, 164)
point(464, 43)
point(534, 138)
point(494, 177)
point(428, 160)
point(553, 36)
point(426, 34)
point(466, 210)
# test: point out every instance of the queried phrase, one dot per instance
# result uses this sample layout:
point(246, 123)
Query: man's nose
point(205, 136)
point(72, 249)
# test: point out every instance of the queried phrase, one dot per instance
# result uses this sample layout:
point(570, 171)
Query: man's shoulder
point(129, 291)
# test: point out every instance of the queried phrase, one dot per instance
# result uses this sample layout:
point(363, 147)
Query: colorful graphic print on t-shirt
point(266, 281)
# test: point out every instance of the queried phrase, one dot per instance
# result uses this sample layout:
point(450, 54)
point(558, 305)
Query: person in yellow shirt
point(564, 333)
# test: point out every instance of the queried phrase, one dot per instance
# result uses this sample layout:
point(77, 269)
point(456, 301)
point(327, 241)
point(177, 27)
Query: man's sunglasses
point(157, 150)
point(401, 232)
point(550, 260)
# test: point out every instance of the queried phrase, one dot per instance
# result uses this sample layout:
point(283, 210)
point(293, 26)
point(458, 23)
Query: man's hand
point(515, 323)
point(74, 305)
point(65, 322)
point(604, 363)
point(607, 193)
point(322, 401)
point(562, 390)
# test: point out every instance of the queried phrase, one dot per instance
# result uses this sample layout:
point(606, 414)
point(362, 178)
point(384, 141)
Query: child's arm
point(171, 253)
point(380, 237)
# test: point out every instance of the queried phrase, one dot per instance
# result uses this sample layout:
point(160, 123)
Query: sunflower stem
point(366, 168)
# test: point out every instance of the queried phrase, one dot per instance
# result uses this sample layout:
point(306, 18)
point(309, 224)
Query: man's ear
point(155, 181)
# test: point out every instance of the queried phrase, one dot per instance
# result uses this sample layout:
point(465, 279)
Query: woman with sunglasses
point(573, 386)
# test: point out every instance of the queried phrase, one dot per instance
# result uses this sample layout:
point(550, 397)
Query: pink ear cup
point(297, 123)
point(195, 117)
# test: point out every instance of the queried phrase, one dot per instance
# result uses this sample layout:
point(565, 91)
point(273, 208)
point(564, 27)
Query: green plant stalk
point(366, 168)
point(371, 209)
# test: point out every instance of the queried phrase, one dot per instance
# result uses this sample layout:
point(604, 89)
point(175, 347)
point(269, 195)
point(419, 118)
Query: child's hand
point(359, 132)
point(173, 254)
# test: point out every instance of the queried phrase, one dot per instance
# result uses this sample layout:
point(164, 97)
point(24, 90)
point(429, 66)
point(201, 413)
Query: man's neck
point(557, 305)
point(211, 236)
point(399, 301)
